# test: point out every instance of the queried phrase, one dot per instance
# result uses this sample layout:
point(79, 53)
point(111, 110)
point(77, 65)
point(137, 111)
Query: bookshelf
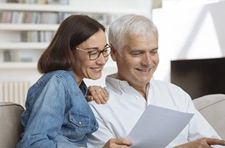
point(27, 27)
point(105, 11)
point(80, 6)
point(18, 65)
point(23, 46)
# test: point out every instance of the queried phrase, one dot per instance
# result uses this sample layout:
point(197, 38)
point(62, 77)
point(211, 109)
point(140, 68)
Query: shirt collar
point(120, 86)
point(83, 86)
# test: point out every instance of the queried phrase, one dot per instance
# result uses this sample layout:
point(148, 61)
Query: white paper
point(157, 127)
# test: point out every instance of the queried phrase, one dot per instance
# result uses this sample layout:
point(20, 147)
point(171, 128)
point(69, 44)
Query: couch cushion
point(212, 107)
point(10, 126)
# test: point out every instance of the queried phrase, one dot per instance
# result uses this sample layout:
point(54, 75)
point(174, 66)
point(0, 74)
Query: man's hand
point(202, 143)
point(97, 93)
point(118, 143)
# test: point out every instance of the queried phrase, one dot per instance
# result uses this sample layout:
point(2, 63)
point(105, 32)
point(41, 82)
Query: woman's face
point(86, 68)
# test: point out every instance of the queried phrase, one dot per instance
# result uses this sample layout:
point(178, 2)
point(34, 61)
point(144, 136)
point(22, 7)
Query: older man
point(134, 41)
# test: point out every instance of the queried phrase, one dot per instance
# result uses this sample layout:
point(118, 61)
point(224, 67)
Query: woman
point(57, 114)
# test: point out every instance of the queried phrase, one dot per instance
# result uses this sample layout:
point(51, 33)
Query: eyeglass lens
point(95, 54)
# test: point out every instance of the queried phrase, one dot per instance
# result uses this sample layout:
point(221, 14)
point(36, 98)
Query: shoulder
point(67, 80)
point(169, 91)
point(59, 78)
point(62, 74)
point(99, 109)
point(48, 86)
point(50, 78)
point(157, 84)
point(54, 74)
point(95, 106)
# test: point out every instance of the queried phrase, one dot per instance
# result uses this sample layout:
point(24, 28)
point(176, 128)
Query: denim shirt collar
point(83, 86)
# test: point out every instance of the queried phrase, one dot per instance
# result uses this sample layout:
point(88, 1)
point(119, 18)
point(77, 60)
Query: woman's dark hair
point(73, 31)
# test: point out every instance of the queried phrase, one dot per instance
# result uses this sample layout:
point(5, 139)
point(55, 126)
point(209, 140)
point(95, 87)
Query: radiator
point(14, 91)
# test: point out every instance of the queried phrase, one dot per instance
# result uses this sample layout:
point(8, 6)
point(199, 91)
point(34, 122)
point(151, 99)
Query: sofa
point(212, 107)
point(10, 126)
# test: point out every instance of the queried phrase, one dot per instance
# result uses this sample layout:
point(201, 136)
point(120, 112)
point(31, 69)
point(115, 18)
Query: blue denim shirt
point(57, 114)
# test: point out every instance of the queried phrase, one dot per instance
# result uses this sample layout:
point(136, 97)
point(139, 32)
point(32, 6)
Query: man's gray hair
point(128, 26)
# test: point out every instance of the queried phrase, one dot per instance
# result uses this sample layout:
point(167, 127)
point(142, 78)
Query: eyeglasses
point(94, 54)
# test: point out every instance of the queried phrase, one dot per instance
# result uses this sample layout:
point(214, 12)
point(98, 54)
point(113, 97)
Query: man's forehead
point(140, 43)
point(134, 35)
point(135, 39)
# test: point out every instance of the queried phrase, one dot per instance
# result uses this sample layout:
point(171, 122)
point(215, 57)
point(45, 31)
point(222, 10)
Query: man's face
point(139, 60)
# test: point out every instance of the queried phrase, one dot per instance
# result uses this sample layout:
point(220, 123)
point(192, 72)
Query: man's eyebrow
point(155, 49)
point(139, 50)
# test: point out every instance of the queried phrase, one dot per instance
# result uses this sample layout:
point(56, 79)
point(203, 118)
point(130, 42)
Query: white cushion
point(212, 107)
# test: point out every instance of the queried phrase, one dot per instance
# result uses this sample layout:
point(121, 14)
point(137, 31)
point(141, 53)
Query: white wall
point(189, 30)
point(115, 6)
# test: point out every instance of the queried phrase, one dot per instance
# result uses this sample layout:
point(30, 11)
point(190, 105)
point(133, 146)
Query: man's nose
point(146, 59)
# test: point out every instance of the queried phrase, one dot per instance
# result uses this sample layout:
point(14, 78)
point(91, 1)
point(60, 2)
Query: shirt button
point(96, 127)
point(79, 123)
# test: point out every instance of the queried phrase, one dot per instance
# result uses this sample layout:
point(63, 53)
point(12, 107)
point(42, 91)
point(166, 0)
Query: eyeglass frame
point(99, 51)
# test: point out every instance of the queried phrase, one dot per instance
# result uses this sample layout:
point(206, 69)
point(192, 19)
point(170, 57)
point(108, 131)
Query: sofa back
point(10, 126)
point(212, 107)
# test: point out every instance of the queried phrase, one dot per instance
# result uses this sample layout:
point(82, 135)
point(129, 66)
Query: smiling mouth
point(144, 70)
point(96, 69)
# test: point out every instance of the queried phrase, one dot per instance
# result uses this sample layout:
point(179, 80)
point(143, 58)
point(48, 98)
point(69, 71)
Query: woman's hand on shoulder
point(97, 93)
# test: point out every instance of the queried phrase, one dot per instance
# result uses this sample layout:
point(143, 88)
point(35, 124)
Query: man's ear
point(113, 53)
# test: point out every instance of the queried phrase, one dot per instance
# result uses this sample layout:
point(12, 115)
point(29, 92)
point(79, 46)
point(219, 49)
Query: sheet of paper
point(157, 127)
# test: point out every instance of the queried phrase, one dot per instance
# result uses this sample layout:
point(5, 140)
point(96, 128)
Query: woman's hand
point(97, 93)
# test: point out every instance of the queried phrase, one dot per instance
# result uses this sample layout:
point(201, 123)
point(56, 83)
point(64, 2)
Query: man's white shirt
point(125, 106)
